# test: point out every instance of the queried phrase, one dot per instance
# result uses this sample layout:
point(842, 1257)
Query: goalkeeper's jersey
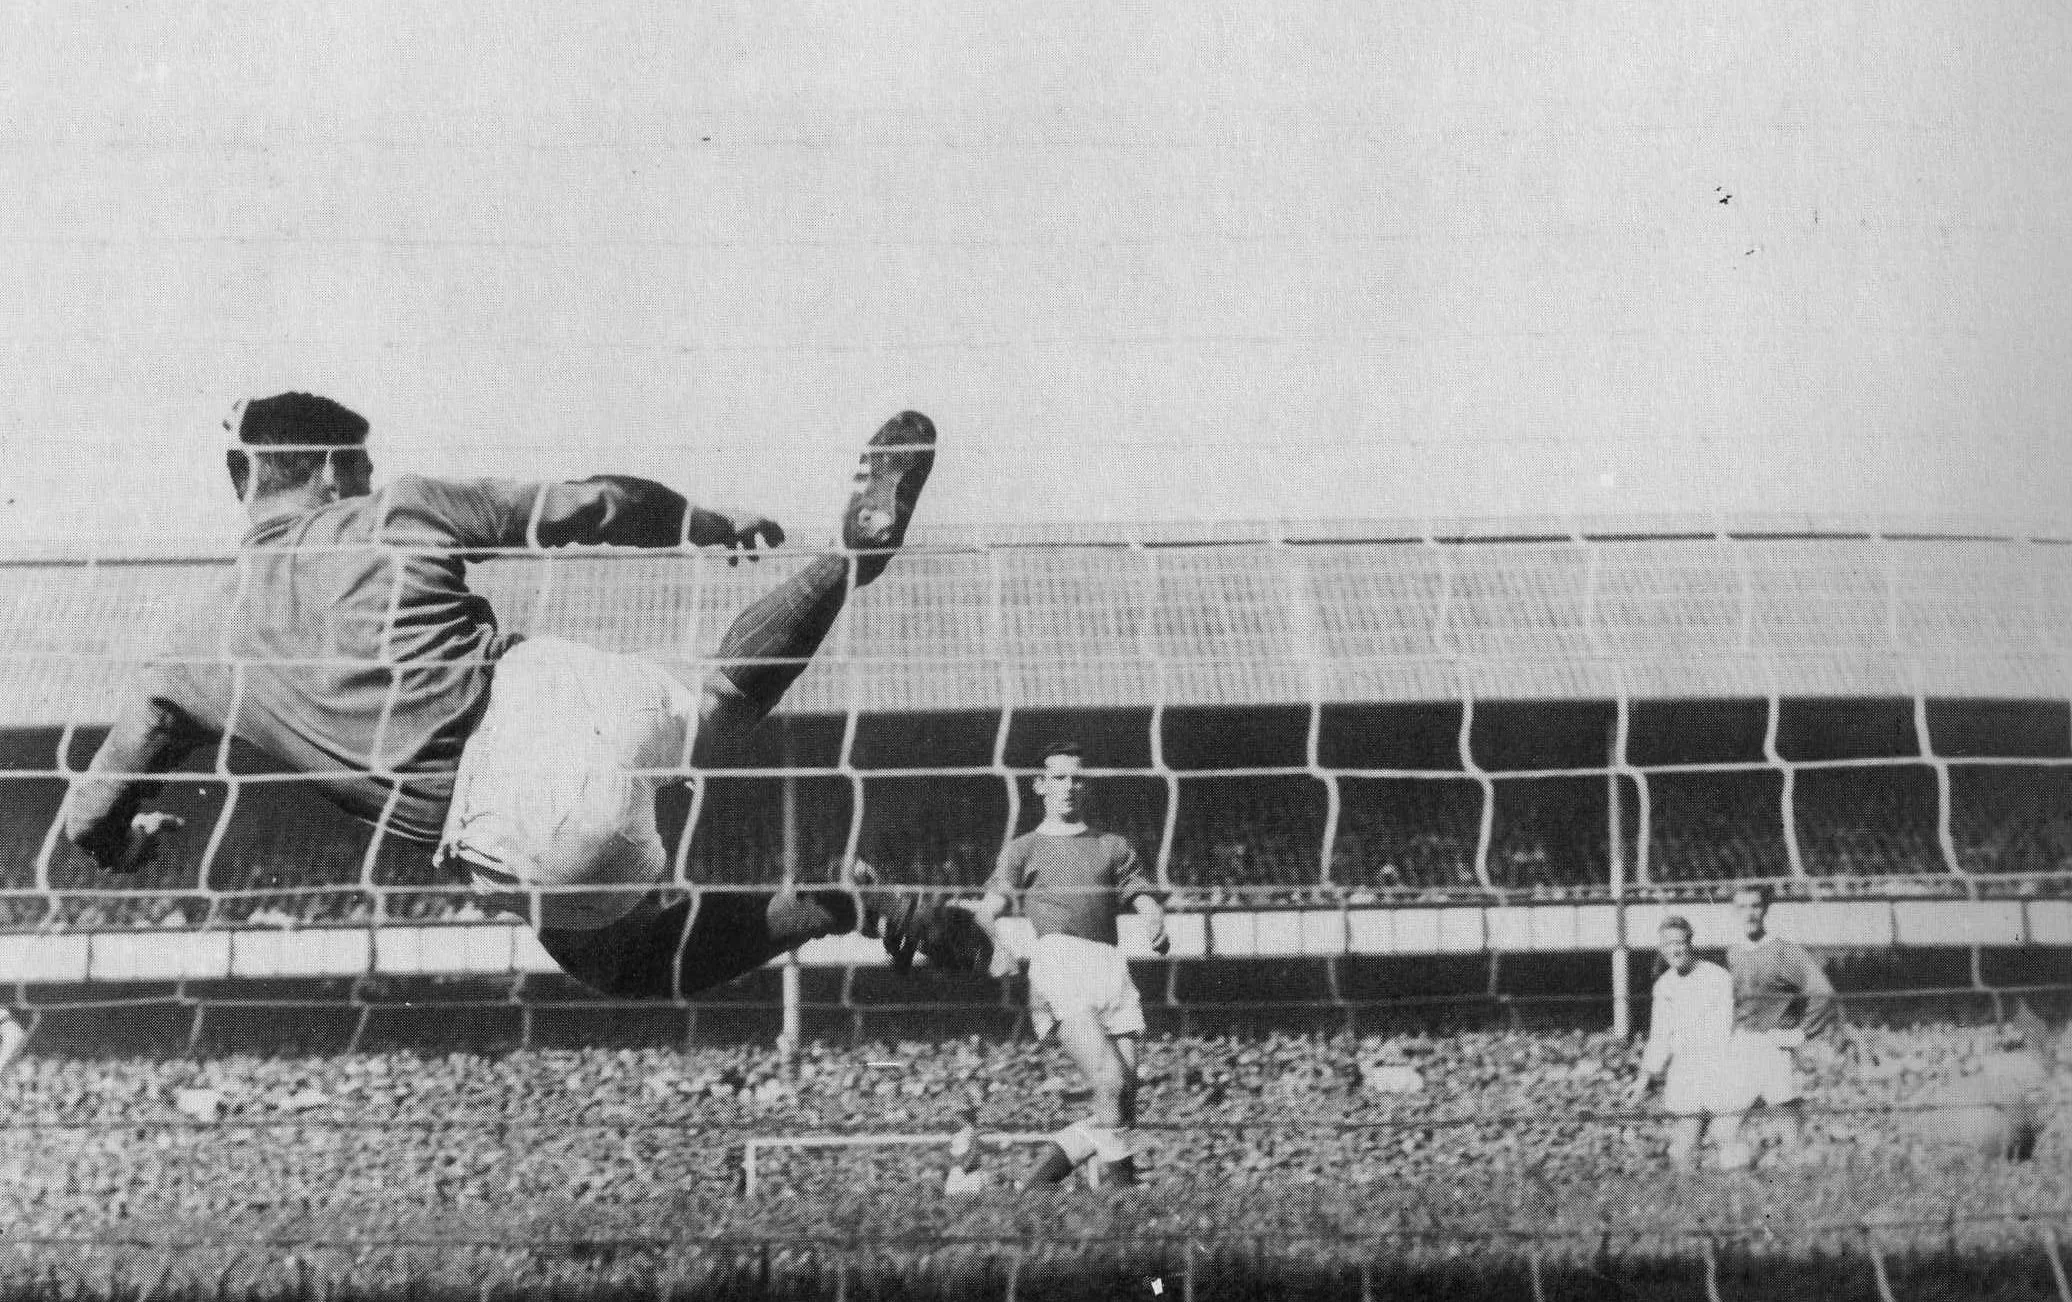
point(1070, 884)
point(347, 646)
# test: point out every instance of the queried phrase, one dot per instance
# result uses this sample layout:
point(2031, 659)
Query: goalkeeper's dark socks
point(660, 951)
point(1053, 1166)
point(771, 642)
point(811, 914)
point(732, 933)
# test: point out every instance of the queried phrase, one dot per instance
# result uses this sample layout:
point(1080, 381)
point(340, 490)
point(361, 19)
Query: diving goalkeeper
point(350, 648)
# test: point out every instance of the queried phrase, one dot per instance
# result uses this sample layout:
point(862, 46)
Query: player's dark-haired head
point(300, 418)
point(301, 424)
point(1064, 747)
point(1762, 895)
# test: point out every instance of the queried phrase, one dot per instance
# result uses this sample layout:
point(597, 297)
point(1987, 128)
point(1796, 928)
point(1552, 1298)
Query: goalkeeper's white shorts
point(1757, 1071)
point(1073, 977)
point(551, 791)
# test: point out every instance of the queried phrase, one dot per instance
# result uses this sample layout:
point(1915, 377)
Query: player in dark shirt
point(349, 647)
point(1071, 882)
point(1782, 1001)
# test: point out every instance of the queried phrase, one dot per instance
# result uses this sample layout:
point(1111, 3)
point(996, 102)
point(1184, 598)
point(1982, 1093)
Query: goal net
point(1359, 741)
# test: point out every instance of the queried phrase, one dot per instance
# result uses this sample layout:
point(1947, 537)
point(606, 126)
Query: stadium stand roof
point(1334, 612)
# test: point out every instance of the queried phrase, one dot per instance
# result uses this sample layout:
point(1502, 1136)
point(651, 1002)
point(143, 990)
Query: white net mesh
point(1335, 723)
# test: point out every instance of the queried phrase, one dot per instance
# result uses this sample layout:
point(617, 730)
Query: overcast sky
point(1220, 260)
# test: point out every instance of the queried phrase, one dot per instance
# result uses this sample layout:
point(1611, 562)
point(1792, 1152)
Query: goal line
point(755, 1146)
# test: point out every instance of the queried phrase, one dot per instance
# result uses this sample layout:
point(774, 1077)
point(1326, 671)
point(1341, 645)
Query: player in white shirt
point(1688, 1033)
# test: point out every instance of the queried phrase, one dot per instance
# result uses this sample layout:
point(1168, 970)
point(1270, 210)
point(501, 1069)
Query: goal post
point(1622, 972)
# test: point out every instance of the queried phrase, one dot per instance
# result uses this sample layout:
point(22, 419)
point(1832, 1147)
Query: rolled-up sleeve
point(474, 513)
point(612, 510)
point(150, 736)
point(605, 510)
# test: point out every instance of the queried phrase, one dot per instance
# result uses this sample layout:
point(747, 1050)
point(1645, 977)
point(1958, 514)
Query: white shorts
point(1697, 1083)
point(550, 792)
point(1069, 976)
point(1757, 1071)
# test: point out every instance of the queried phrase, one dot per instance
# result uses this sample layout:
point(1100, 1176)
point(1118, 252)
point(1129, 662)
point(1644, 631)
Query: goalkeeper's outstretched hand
point(144, 833)
point(742, 533)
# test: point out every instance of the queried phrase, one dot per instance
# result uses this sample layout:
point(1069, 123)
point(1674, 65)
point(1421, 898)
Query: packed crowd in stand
point(2012, 820)
point(1255, 842)
point(458, 1134)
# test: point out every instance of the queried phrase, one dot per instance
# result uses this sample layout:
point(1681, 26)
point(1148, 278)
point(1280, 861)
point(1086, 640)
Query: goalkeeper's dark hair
point(1064, 747)
point(302, 425)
